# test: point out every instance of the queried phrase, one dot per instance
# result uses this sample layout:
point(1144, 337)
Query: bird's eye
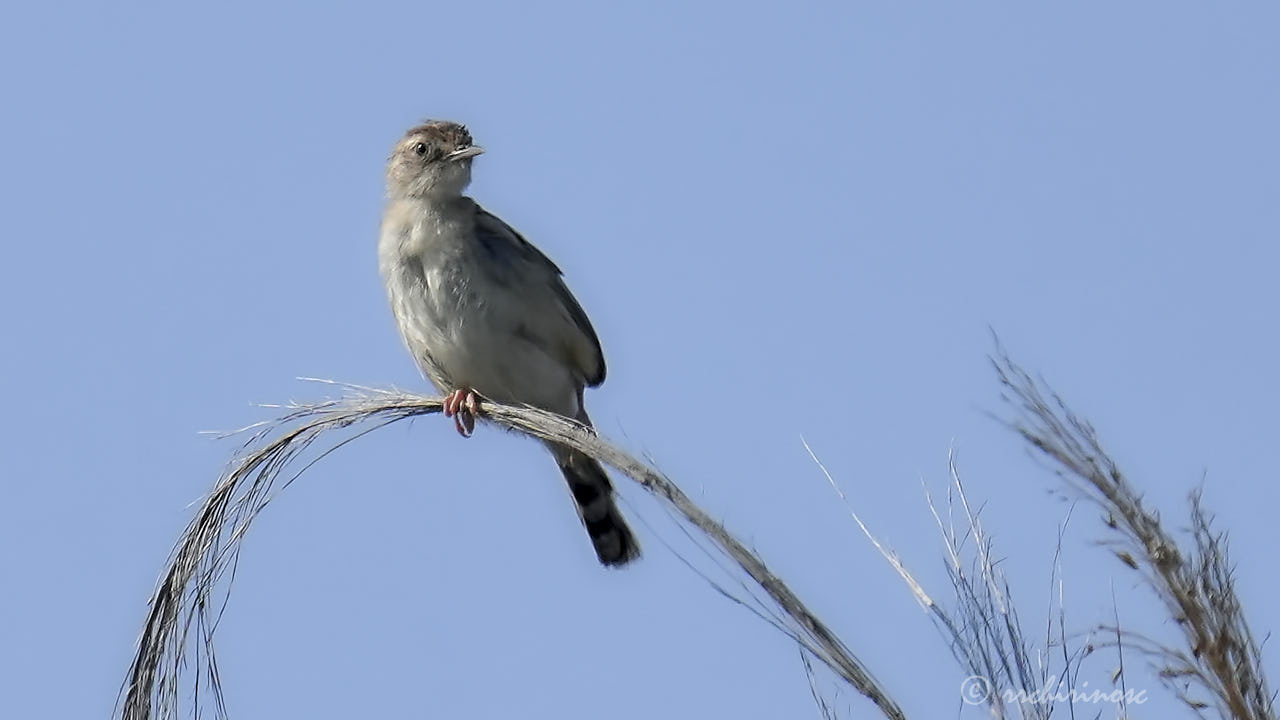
point(420, 149)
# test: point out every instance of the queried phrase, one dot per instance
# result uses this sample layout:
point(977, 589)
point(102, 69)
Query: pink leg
point(462, 405)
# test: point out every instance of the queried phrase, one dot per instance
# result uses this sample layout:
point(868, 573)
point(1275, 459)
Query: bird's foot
point(462, 405)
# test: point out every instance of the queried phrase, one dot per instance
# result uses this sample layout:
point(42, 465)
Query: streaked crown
point(432, 160)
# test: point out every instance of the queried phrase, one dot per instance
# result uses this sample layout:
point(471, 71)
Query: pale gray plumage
point(481, 308)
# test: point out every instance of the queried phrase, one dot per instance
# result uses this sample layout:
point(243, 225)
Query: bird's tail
point(593, 494)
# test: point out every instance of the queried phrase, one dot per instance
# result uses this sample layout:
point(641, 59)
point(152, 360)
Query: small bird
point(487, 316)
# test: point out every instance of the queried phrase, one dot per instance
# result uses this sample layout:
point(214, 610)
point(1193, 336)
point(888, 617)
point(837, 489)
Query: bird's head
point(433, 160)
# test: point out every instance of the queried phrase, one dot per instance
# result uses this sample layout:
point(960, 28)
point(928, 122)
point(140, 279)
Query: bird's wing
point(579, 346)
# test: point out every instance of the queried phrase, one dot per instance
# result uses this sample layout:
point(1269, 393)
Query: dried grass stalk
point(1220, 666)
point(1007, 668)
point(192, 593)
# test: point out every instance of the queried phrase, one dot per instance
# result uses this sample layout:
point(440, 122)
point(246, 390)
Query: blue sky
point(784, 222)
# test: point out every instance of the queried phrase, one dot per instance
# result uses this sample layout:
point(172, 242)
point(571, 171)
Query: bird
point(488, 316)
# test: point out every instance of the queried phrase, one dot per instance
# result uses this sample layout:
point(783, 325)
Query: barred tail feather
point(593, 494)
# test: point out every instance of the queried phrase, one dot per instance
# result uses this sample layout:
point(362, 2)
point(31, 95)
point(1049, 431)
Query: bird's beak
point(463, 153)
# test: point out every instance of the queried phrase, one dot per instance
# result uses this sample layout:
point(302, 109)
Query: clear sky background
point(784, 221)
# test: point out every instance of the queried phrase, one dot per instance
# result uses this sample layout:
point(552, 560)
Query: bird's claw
point(462, 405)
